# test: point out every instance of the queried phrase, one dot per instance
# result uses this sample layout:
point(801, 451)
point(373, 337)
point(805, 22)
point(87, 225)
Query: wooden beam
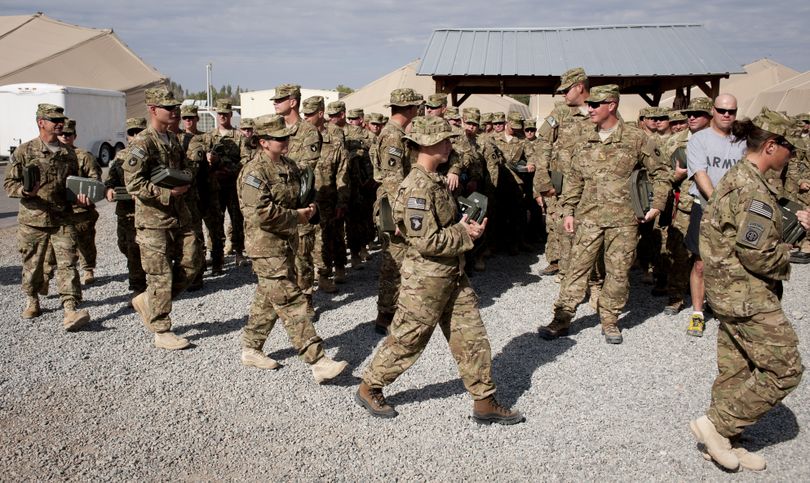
point(706, 89)
point(454, 98)
point(463, 98)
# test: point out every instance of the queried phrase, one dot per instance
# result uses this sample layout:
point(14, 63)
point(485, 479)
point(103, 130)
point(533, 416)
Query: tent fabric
point(37, 48)
point(373, 96)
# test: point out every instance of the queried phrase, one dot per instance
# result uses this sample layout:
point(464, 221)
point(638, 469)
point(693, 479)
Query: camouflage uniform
point(510, 217)
point(757, 355)
point(435, 289)
point(169, 251)
point(331, 183)
point(359, 220)
point(198, 195)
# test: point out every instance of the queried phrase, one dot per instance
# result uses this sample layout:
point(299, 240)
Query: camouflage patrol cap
point(376, 118)
point(530, 124)
point(405, 97)
point(645, 112)
point(677, 116)
point(160, 96)
point(471, 115)
point(571, 77)
point(700, 104)
point(136, 123)
point(436, 100)
point(50, 112)
point(189, 110)
point(452, 113)
point(780, 125)
point(224, 106)
point(658, 112)
point(498, 117)
point(803, 117)
point(286, 90)
point(604, 93)
point(486, 118)
point(335, 107)
point(354, 114)
point(247, 123)
point(515, 120)
point(312, 105)
point(70, 126)
point(427, 131)
point(385, 119)
point(270, 125)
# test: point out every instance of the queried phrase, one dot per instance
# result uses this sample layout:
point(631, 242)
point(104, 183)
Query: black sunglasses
point(723, 112)
point(170, 108)
point(785, 144)
point(695, 114)
point(595, 105)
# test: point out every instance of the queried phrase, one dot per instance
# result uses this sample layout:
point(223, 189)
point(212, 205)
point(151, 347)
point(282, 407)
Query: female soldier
point(268, 195)
point(746, 262)
point(435, 290)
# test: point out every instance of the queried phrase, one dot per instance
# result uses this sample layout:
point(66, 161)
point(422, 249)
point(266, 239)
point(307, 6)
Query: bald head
point(724, 113)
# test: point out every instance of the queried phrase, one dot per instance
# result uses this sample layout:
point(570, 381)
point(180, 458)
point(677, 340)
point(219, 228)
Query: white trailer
point(100, 116)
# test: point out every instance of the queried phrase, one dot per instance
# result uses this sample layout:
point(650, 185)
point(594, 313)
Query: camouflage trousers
point(129, 247)
point(554, 230)
point(330, 246)
point(85, 224)
point(197, 227)
point(305, 258)
point(170, 258)
point(360, 226)
point(214, 220)
point(277, 295)
point(758, 363)
point(619, 245)
point(393, 252)
point(229, 201)
point(425, 302)
point(678, 256)
point(33, 243)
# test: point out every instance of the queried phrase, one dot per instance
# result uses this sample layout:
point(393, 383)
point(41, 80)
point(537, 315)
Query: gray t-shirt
point(712, 153)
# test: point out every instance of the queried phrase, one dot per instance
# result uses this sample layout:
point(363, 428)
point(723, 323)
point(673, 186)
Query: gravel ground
point(104, 404)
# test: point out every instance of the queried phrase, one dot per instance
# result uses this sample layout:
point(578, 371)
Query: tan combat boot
point(139, 303)
point(257, 358)
point(596, 291)
point(32, 309)
point(74, 319)
point(88, 277)
point(749, 461)
point(373, 401)
point(610, 329)
point(718, 446)
point(340, 275)
point(325, 369)
point(170, 341)
point(488, 411)
point(326, 285)
point(558, 326)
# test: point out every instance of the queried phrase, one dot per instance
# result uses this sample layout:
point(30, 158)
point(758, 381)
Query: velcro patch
point(551, 121)
point(762, 209)
point(416, 223)
point(395, 151)
point(417, 203)
point(137, 152)
point(253, 181)
point(753, 233)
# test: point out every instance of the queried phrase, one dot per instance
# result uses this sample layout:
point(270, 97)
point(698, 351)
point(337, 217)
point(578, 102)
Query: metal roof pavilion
point(642, 59)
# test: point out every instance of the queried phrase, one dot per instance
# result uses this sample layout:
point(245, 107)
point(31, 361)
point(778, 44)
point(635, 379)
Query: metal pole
point(208, 99)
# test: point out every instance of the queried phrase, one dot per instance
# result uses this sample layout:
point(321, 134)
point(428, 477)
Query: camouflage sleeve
point(13, 183)
point(115, 175)
point(137, 177)
point(541, 180)
point(573, 184)
point(759, 245)
point(88, 166)
point(256, 200)
point(658, 171)
point(454, 163)
point(391, 161)
point(342, 180)
point(414, 212)
point(310, 150)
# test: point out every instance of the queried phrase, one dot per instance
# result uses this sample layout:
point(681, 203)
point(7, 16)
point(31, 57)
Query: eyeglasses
point(694, 114)
point(68, 134)
point(564, 91)
point(530, 129)
point(595, 105)
point(170, 108)
point(499, 122)
point(785, 144)
point(723, 112)
point(55, 120)
point(280, 100)
point(281, 139)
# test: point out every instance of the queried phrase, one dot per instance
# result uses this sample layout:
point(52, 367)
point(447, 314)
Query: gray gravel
point(104, 404)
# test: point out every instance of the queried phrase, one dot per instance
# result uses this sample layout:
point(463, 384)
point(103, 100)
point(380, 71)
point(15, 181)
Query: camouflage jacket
point(471, 158)
point(268, 195)
point(597, 188)
point(672, 144)
point(427, 215)
point(331, 178)
point(115, 179)
point(741, 244)
point(798, 172)
point(88, 168)
point(228, 148)
point(358, 145)
point(195, 154)
point(305, 144)
point(559, 133)
point(49, 207)
point(155, 207)
point(391, 158)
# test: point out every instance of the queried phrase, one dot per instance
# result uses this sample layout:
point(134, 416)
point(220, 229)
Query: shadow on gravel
point(117, 299)
point(97, 325)
point(777, 426)
point(503, 273)
point(11, 275)
point(210, 329)
point(105, 279)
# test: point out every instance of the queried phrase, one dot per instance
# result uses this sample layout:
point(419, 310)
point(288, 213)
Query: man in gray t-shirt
point(710, 153)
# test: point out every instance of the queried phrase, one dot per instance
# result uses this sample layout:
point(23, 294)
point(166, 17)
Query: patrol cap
point(247, 123)
point(436, 100)
point(700, 104)
point(51, 112)
point(270, 125)
point(188, 110)
point(471, 115)
point(677, 116)
point(224, 106)
point(376, 118)
point(136, 123)
point(571, 77)
point(486, 117)
point(658, 112)
point(607, 92)
point(427, 131)
point(354, 114)
point(70, 126)
point(286, 90)
point(515, 120)
point(385, 118)
point(312, 105)
point(530, 124)
point(803, 117)
point(452, 113)
point(644, 112)
point(498, 117)
point(405, 97)
point(160, 96)
point(335, 107)
point(780, 125)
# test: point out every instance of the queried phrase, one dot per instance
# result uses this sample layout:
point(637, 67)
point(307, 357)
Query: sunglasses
point(170, 108)
point(282, 99)
point(68, 134)
point(595, 105)
point(723, 112)
point(55, 120)
point(281, 139)
point(695, 114)
point(785, 144)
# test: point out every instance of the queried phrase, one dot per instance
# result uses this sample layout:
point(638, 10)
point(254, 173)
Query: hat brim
point(405, 104)
point(278, 133)
point(430, 139)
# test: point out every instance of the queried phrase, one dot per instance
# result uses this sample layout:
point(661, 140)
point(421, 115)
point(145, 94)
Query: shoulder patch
point(417, 203)
point(395, 151)
point(551, 121)
point(137, 152)
point(762, 209)
point(753, 233)
point(416, 222)
point(252, 181)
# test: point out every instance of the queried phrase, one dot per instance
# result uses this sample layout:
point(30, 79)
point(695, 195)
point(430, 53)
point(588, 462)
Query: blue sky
point(259, 44)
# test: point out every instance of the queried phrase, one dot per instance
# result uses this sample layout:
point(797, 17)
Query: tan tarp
point(374, 96)
point(37, 48)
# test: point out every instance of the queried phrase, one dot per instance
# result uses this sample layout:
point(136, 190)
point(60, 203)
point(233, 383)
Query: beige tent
point(791, 96)
point(37, 48)
point(374, 96)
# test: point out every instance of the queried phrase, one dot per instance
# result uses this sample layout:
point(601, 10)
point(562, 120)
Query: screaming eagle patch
point(416, 223)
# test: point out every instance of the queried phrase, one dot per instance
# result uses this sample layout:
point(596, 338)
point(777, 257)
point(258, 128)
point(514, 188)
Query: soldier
point(375, 124)
point(360, 217)
point(268, 194)
point(125, 212)
point(486, 123)
point(645, 121)
point(530, 131)
point(677, 122)
point(251, 143)
point(453, 117)
point(435, 290)
point(797, 183)
point(169, 251)
point(436, 105)
point(746, 262)
point(391, 159)
point(336, 110)
point(198, 197)
point(46, 215)
point(596, 197)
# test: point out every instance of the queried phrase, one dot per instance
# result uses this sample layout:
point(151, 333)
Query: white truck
point(100, 116)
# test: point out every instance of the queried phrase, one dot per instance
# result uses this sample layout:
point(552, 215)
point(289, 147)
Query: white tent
point(791, 96)
point(37, 48)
